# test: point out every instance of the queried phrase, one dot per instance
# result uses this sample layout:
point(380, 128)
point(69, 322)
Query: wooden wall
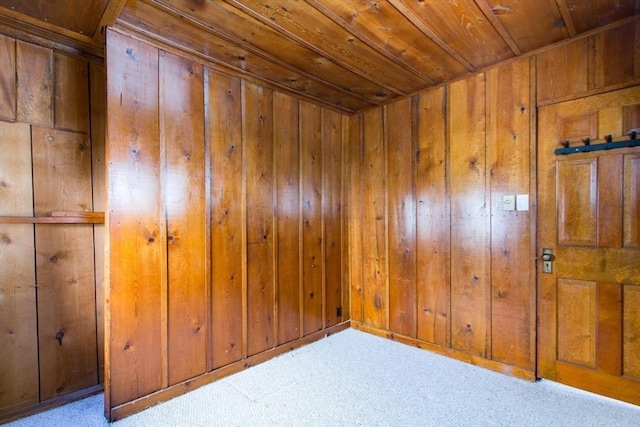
point(435, 261)
point(438, 262)
point(224, 222)
point(51, 267)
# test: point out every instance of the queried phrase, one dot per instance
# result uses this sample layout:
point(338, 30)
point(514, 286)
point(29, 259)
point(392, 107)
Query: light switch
point(522, 202)
point(509, 202)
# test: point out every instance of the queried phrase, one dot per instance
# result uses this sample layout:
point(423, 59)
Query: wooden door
point(589, 216)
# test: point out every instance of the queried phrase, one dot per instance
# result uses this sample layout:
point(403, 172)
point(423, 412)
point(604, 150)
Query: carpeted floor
point(355, 379)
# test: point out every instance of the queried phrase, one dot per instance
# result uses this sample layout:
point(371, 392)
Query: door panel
point(589, 216)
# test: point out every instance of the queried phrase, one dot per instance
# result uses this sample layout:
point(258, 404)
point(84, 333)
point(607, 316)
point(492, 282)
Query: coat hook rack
point(633, 141)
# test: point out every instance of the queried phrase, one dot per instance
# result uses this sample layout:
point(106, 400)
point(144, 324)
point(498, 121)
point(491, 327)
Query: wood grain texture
point(618, 43)
point(258, 154)
point(311, 163)
point(402, 43)
point(631, 203)
point(610, 201)
point(577, 322)
point(71, 93)
point(609, 326)
point(182, 125)
point(16, 179)
point(563, 70)
point(34, 69)
point(375, 289)
point(224, 116)
point(402, 217)
point(64, 264)
point(355, 222)
point(287, 165)
point(19, 382)
point(527, 33)
point(62, 171)
point(332, 162)
point(470, 239)
point(433, 220)
point(135, 221)
point(7, 78)
point(512, 269)
point(66, 308)
point(631, 331)
point(98, 81)
point(577, 201)
point(468, 32)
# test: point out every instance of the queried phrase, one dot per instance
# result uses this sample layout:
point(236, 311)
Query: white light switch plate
point(522, 202)
point(509, 202)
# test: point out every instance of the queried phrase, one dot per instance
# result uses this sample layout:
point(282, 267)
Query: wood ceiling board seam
point(220, 66)
point(532, 25)
point(368, 41)
point(256, 51)
point(288, 33)
point(566, 17)
point(499, 26)
point(420, 25)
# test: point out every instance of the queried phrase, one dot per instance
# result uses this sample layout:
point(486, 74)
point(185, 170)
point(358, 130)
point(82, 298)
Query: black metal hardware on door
point(547, 259)
point(608, 145)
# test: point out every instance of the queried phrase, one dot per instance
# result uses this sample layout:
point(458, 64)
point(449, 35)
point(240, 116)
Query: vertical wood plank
point(225, 141)
point(577, 322)
point(609, 328)
point(64, 264)
point(34, 68)
point(563, 70)
point(182, 130)
point(402, 218)
point(71, 93)
point(631, 202)
point(7, 78)
point(61, 157)
point(631, 331)
point(97, 80)
point(258, 137)
point(311, 194)
point(355, 144)
point(512, 277)
point(610, 206)
point(433, 220)
point(19, 386)
point(332, 206)
point(66, 308)
point(469, 223)
point(615, 45)
point(345, 217)
point(287, 158)
point(374, 248)
point(134, 221)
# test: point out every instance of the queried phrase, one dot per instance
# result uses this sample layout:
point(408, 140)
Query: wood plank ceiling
point(349, 55)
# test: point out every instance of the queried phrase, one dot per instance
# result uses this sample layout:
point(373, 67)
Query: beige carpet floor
point(356, 379)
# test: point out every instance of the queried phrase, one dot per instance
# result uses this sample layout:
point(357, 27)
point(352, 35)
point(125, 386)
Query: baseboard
point(454, 354)
point(50, 404)
point(130, 408)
